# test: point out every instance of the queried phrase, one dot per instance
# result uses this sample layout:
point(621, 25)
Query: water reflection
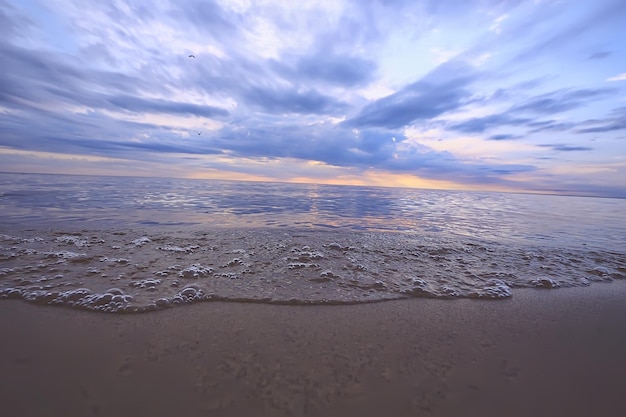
point(145, 201)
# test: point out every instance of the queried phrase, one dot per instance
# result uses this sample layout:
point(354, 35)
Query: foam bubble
point(113, 300)
point(279, 266)
point(545, 283)
point(140, 241)
point(65, 255)
point(195, 271)
point(171, 248)
point(495, 288)
point(72, 240)
point(148, 283)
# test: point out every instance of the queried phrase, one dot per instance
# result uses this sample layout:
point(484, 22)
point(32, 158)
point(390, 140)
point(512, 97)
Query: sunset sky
point(508, 95)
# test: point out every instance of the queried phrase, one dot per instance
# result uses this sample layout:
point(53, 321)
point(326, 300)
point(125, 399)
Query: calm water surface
point(84, 201)
point(137, 244)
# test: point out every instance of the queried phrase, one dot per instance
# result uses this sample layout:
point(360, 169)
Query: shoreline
point(126, 270)
point(540, 353)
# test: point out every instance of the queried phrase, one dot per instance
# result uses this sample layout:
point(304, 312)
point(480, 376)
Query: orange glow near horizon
point(311, 172)
point(370, 178)
point(214, 174)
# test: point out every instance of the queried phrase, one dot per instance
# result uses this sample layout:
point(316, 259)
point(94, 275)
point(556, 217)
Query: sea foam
point(144, 270)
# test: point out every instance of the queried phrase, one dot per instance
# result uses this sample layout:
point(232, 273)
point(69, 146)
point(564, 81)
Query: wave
point(140, 270)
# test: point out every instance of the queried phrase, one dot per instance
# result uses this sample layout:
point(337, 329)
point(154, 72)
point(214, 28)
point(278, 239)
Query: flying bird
point(199, 133)
point(192, 56)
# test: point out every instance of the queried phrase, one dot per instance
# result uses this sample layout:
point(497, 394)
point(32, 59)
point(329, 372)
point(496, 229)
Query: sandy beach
point(541, 353)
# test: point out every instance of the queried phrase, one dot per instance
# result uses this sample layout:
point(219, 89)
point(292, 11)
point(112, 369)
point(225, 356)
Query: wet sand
point(542, 353)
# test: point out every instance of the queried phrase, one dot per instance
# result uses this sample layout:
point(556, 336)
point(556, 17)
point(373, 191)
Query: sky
point(503, 95)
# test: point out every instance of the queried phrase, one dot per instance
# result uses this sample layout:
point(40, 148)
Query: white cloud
point(496, 26)
point(443, 55)
point(480, 59)
point(375, 91)
point(620, 77)
point(182, 124)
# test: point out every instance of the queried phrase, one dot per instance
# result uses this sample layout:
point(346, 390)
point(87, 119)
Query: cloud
point(160, 148)
point(497, 23)
point(319, 142)
point(328, 68)
point(620, 77)
point(545, 104)
point(13, 22)
point(276, 81)
point(289, 100)
point(617, 121)
point(419, 101)
point(378, 148)
point(209, 18)
point(441, 91)
point(566, 148)
point(504, 137)
point(31, 77)
point(139, 105)
point(481, 124)
point(561, 100)
point(152, 146)
point(600, 55)
point(549, 36)
point(549, 126)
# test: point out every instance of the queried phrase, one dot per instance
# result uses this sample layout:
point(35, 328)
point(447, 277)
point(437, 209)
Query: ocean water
point(120, 244)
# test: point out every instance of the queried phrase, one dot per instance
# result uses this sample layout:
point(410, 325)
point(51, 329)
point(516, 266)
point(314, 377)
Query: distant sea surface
point(122, 244)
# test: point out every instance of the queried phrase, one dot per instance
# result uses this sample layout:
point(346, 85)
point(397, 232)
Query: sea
point(132, 245)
